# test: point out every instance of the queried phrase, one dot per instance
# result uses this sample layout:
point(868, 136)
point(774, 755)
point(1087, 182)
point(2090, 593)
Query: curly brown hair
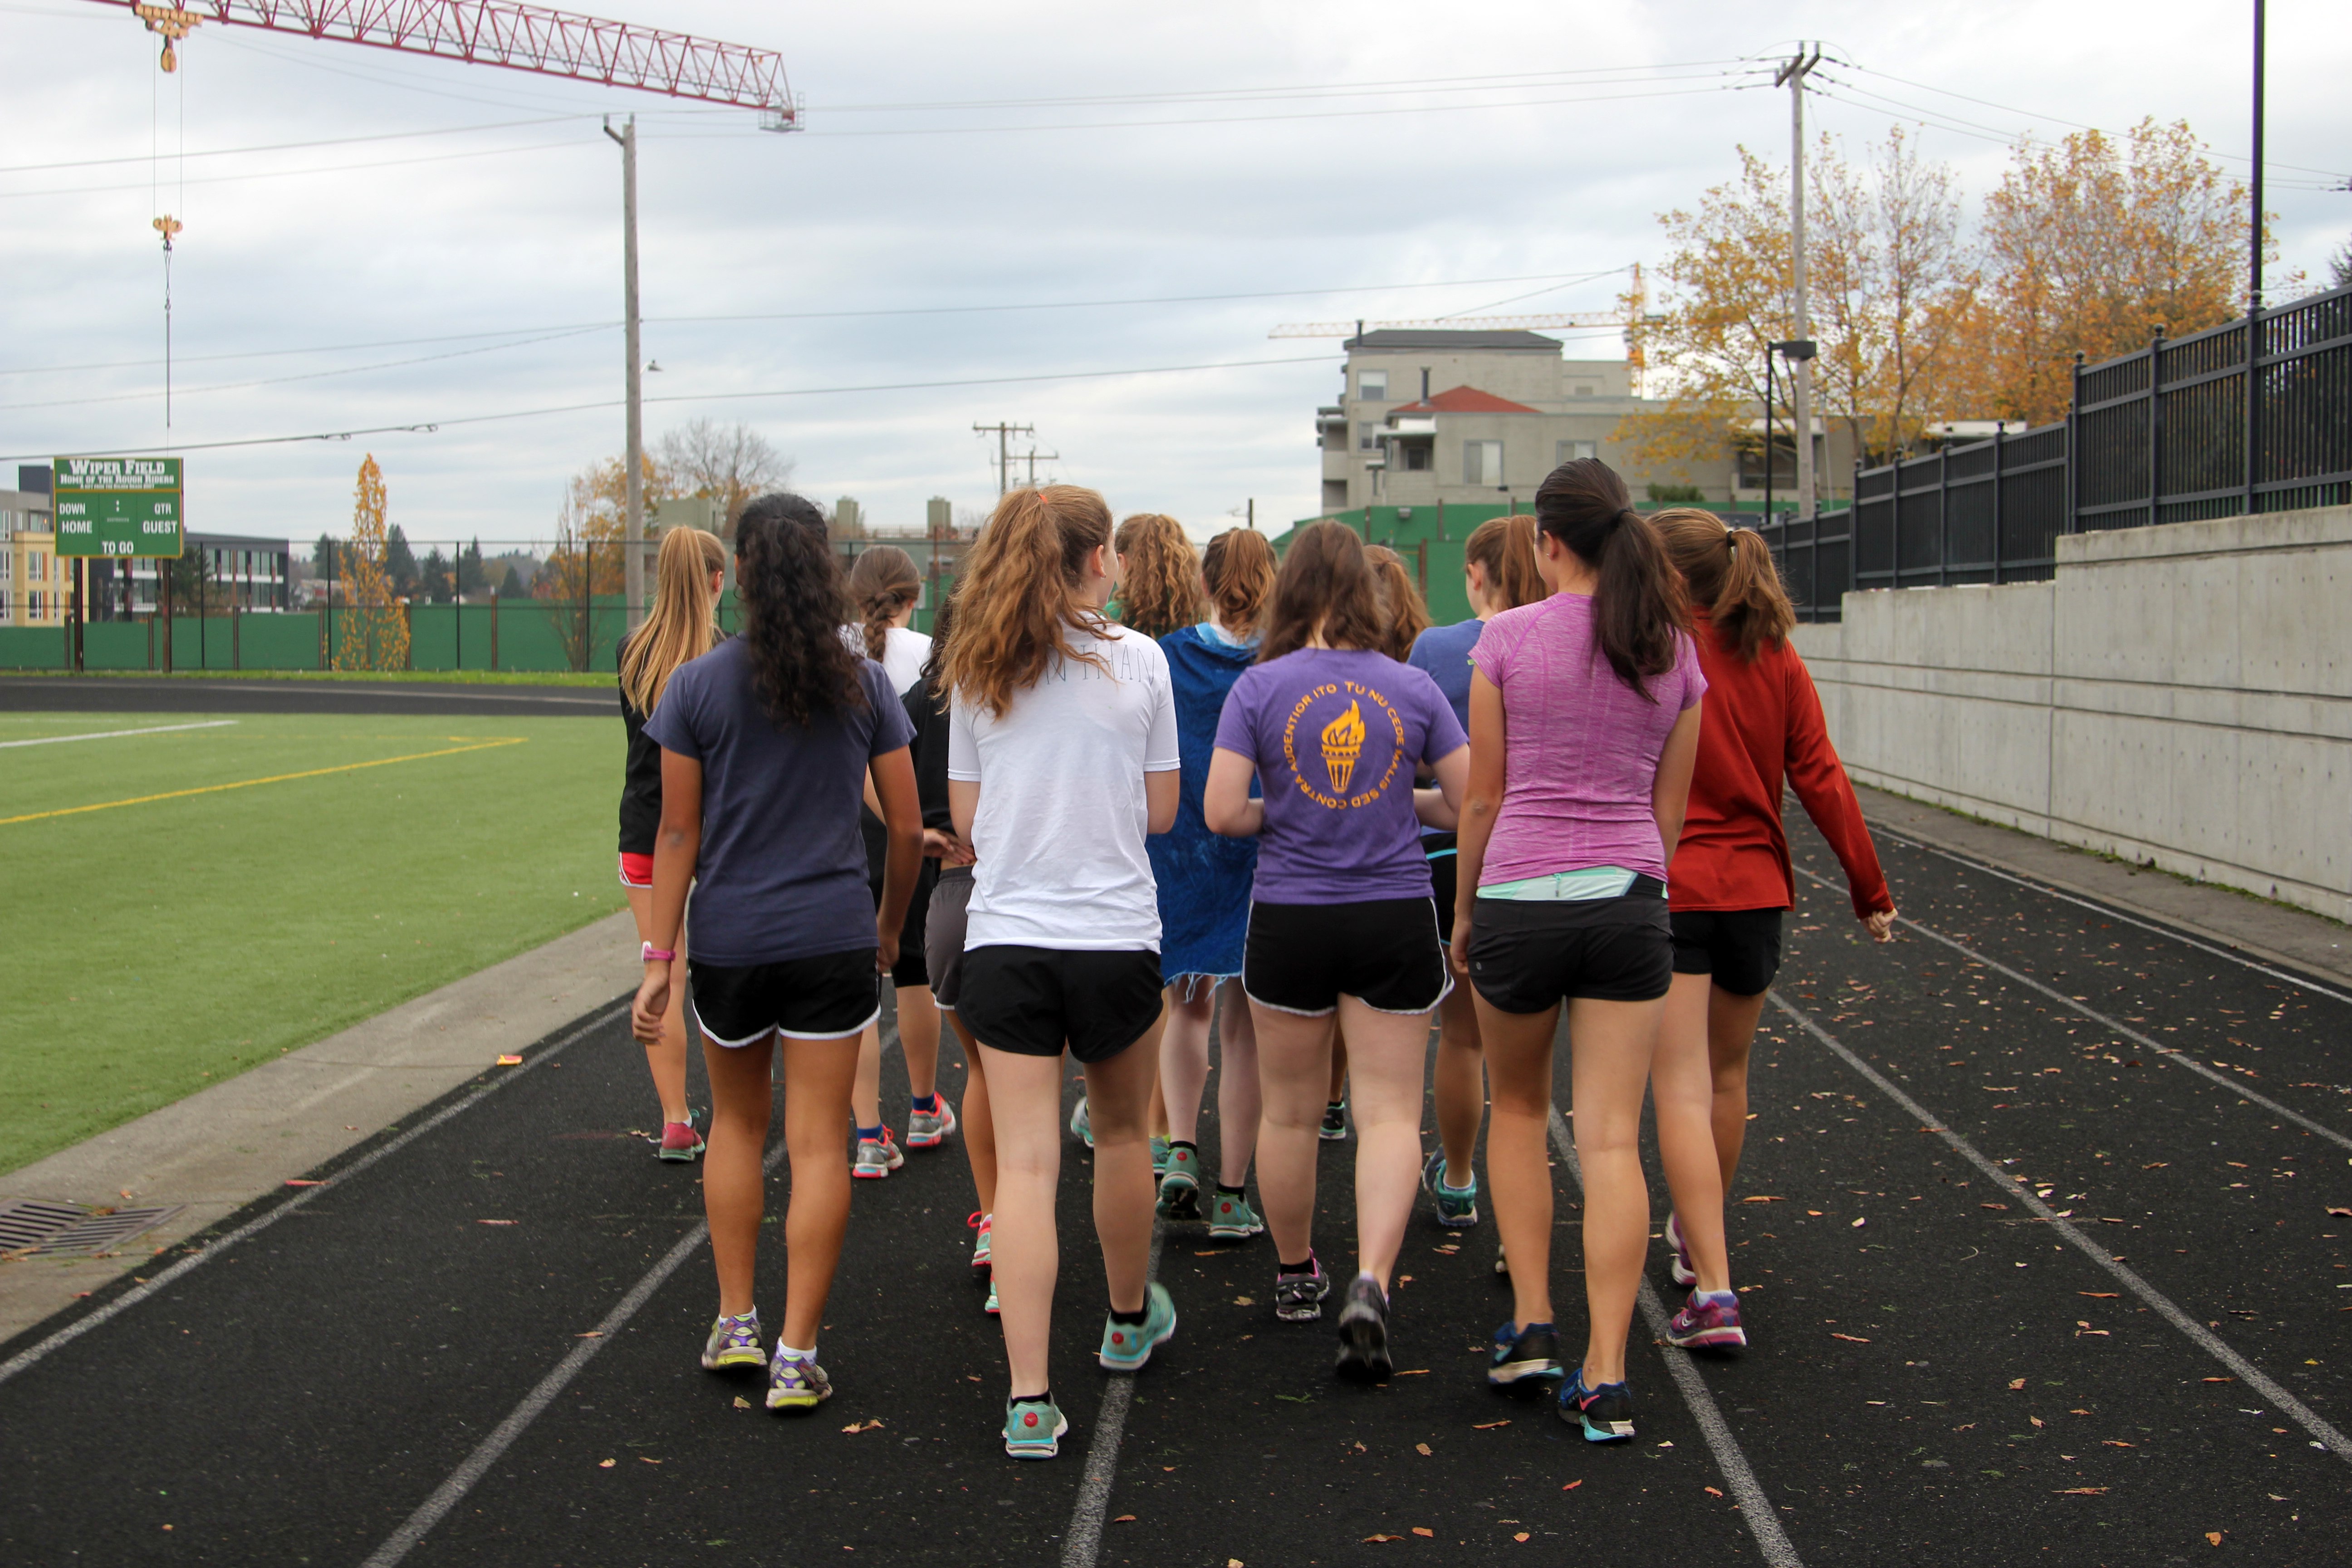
point(1159, 574)
point(1407, 617)
point(1238, 570)
point(1017, 601)
point(789, 580)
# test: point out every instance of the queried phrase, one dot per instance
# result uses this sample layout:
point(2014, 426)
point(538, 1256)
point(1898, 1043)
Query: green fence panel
point(289, 641)
point(33, 648)
point(114, 645)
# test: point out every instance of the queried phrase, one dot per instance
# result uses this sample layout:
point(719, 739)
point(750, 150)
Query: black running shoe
point(1605, 1413)
point(1364, 1333)
point(1335, 1121)
point(1522, 1355)
point(1299, 1298)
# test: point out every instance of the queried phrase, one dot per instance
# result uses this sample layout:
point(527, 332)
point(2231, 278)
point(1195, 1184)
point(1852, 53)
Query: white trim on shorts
point(779, 1029)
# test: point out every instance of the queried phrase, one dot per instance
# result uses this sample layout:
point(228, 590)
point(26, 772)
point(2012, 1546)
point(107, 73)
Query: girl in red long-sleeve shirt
point(1729, 883)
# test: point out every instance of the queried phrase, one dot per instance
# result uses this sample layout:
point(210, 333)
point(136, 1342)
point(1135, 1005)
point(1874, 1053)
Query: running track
point(2143, 1342)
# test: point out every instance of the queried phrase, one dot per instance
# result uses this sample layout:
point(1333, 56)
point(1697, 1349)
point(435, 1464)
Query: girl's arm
point(1670, 792)
point(1442, 808)
point(677, 846)
point(1162, 789)
point(964, 805)
point(1225, 802)
point(1482, 797)
point(891, 776)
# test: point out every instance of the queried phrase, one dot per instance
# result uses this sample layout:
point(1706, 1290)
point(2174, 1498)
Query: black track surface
point(296, 1399)
point(131, 694)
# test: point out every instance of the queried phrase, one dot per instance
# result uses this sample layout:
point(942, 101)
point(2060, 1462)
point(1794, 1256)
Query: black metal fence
point(2167, 434)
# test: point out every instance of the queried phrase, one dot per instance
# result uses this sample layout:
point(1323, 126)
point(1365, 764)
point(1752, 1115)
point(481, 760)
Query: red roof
point(1466, 400)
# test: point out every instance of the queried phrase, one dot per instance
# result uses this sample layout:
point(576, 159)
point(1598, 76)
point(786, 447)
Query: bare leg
point(1683, 1090)
point(1185, 1059)
point(1518, 1049)
point(666, 1060)
point(1118, 1092)
point(1026, 1102)
point(866, 1095)
point(1293, 1071)
point(1387, 1069)
point(1730, 1030)
point(817, 1074)
point(979, 1122)
point(1339, 1064)
point(1239, 1104)
point(733, 1187)
point(1613, 1044)
point(1461, 1083)
point(918, 1039)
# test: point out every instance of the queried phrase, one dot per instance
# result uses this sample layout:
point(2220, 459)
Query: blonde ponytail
point(684, 621)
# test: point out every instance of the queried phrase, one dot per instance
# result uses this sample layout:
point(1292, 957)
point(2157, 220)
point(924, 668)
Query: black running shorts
point(1032, 1001)
point(911, 968)
point(1739, 948)
point(1302, 958)
point(1527, 956)
point(943, 929)
point(1444, 883)
point(818, 999)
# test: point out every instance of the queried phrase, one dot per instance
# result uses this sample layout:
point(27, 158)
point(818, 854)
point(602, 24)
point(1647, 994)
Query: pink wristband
point(653, 955)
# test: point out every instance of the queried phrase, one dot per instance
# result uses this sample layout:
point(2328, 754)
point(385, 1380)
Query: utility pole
point(2253, 476)
point(632, 527)
point(1003, 434)
point(1800, 374)
point(1032, 457)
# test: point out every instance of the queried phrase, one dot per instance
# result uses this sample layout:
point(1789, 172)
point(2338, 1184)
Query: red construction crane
point(519, 38)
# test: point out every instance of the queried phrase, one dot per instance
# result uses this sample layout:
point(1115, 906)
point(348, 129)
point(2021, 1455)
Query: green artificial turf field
point(156, 945)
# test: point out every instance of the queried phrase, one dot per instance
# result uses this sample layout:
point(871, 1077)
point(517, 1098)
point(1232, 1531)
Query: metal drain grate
point(97, 1232)
point(29, 1225)
point(26, 1222)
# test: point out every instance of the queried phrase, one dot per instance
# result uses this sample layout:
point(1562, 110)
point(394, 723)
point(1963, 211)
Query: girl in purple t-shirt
point(1583, 726)
point(1341, 920)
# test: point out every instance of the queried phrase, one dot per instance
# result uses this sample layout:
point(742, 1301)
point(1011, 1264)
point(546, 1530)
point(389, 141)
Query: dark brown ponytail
point(1637, 607)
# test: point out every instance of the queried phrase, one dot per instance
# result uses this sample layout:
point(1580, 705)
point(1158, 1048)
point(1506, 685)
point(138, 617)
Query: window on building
point(1584, 389)
point(1372, 385)
point(1416, 457)
point(1482, 462)
point(1569, 451)
point(1368, 436)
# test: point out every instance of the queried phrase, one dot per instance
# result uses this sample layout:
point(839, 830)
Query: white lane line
point(451, 1492)
point(116, 734)
point(2323, 1435)
point(1083, 1544)
point(1754, 1507)
point(2113, 913)
point(33, 1354)
point(2174, 1053)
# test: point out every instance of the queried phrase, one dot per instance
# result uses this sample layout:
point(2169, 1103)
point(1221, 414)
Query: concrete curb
point(225, 1146)
point(2273, 933)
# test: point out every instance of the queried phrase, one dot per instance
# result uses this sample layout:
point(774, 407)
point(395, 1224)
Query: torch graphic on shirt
point(1343, 741)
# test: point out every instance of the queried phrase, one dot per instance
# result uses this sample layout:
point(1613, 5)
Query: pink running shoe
point(1708, 1322)
point(680, 1141)
point(1680, 1265)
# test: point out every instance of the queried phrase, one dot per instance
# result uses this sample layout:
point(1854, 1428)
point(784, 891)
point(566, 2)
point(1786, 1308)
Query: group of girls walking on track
point(1267, 784)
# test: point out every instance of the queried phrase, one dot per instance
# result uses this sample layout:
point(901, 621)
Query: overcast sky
point(455, 253)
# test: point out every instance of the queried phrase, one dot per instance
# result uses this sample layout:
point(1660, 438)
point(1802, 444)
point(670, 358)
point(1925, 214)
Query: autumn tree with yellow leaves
point(2086, 246)
point(373, 629)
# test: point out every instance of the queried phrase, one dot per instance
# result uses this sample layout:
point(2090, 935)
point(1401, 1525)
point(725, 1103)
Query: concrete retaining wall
point(2179, 696)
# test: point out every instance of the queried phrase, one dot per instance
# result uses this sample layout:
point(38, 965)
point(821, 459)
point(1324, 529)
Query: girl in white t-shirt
point(884, 590)
point(1061, 757)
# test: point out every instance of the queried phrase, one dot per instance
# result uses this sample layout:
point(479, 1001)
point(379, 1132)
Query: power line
point(431, 426)
point(295, 146)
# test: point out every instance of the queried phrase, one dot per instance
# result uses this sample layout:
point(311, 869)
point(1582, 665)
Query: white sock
point(784, 1350)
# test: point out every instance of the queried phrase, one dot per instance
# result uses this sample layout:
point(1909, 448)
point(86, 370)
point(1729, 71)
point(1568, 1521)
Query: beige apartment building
point(33, 586)
point(1482, 416)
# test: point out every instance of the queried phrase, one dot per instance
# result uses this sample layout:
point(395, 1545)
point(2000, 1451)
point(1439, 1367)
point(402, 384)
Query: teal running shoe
point(1457, 1207)
point(1230, 1219)
point(1180, 1186)
point(1158, 1157)
point(1080, 1128)
point(1033, 1428)
point(796, 1383)
point(734, 1342)
point(1126, 1346)
point(1335, 1121)
point(989, 1306)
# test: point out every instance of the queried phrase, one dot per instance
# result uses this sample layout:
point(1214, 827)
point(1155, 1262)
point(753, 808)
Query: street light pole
point(632, 527)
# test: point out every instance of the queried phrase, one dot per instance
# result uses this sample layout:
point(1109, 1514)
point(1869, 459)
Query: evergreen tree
point(434, 579)
point(399, 564)
point(471, 578)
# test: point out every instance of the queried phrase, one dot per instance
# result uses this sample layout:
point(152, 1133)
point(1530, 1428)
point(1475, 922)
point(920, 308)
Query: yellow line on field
point(274, 778)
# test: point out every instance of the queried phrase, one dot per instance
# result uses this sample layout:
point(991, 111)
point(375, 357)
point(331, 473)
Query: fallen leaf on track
point(510, 1061)
point(2339, 1209)
point(1384, 1538)
point(2017, 1383)
point(607, 1464)
point(643, 1460)
point(1422, 1449)
point(1992, 1205)
point(1713, 1491)
point(591, 1334)
point(1764, 1198)
point(1245, 1300)
point(1488, 1426)
point(2099, 1295)
point(495, 1221)
point(863, 1425)
point(741, 1403)
point(1860, 1223)
point(1124, 1518)
point(2213, 1537)
point(1572, 1486)
point(2082, 1491)
point(298, 1183)
point(1522, 1535)
point(1413, 1371)
point(1855, 1338)
point(2119, 1443)
point(1423, 1530)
